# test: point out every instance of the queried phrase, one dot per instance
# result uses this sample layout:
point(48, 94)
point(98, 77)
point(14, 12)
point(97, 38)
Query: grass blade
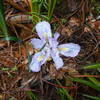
point(31, 95)
point(36, 8)
point(1, 6)
point(94, 80)
point(51, 6)
point(3, 26)
point(63, 93)
point(92, 97)
point(88, 83)
point(92, 66)
point(12, 38)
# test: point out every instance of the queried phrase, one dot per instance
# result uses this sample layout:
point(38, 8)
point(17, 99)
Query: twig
point(97, 76)
point(65, 87)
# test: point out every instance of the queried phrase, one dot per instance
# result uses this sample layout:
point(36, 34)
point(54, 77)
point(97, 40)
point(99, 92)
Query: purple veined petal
point(40, 57)
point(37, 43)
point(69, 50)
point(56, 35)
point(47, 55)
point(35, 66)
point(38, 60)
point(43, 30)
point(57, 59)
point(53, 43)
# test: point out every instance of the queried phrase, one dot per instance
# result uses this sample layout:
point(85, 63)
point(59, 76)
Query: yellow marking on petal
point(45, 35)
point(63, 49)
point(40, 57)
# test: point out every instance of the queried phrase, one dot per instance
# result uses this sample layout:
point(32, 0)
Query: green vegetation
point(3, 26)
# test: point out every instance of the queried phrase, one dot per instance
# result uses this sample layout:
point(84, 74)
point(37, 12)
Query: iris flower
point(49, 48)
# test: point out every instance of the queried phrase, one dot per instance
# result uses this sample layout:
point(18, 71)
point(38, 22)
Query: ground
point(75, 24)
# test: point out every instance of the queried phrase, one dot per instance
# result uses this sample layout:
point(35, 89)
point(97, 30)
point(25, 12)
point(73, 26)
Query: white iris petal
point(69, 49)
point(44, 30)
point(35, 66)
point(56, 58)
point(37, 43)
